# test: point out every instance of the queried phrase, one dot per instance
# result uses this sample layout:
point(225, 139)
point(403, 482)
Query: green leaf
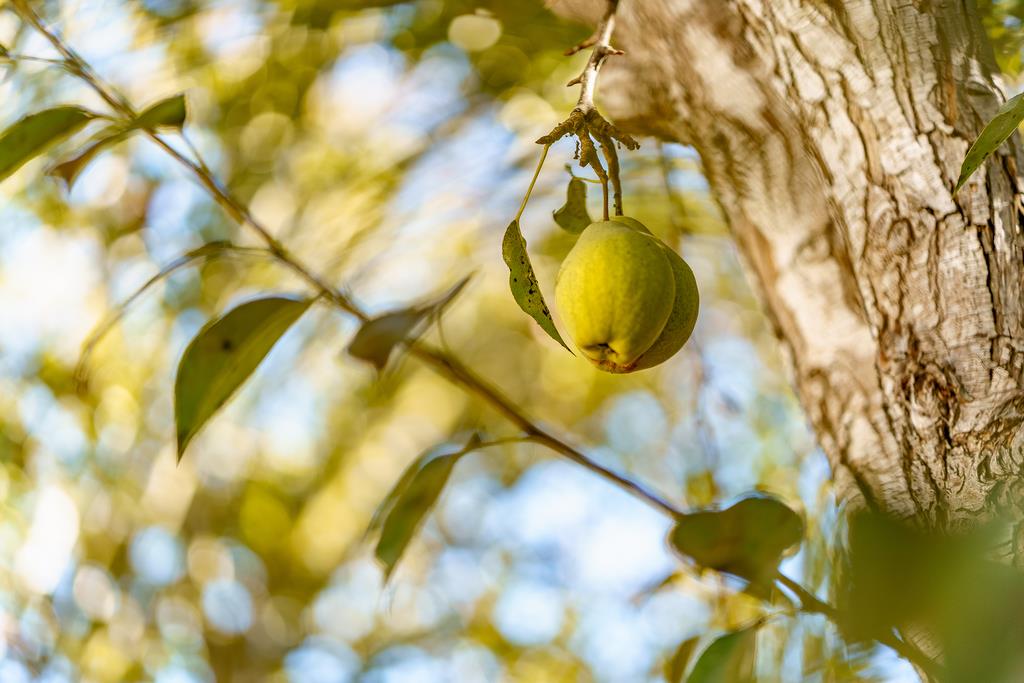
point(994, 134)
point(523, 281)
point(377, 338)
point(747, 539)
point(573, 216)
point(675, 667)
point(223, 355)
point(730, 659)
point(167, 113)
point(68, 171)
point(170, 113)
point(403, 510)
point(33, 134)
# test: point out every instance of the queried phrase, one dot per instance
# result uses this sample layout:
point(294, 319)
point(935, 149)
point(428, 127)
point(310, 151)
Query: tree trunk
point(832, 133)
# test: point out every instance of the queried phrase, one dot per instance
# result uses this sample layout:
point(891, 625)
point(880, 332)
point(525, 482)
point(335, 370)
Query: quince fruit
point(629, 302)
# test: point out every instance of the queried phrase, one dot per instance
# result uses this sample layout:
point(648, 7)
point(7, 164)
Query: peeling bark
point(832, 134)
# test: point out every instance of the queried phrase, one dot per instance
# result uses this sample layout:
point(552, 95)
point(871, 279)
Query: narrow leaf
point(167, 113)
point(994, 134)
point(170, 113)
point(33, 134)
point(730, 659)
point(223, 355)
point(403, 510)
point(675, 667)
point(573, 216)
point(68, 171)
point(377, 338)
point(747, 539)
point(523, 281)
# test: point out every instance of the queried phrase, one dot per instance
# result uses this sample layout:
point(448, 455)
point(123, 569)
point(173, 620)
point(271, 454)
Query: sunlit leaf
point(747, 539)
point(377, 338)
point(573, 216)
point(33, 134)
point(223, 355)
point(403, 510)
point(730, 659)
point(167, 113)
point(675, 667)
point(523, 281)
point(994, 134)
point(68, 171)
point(897, 573)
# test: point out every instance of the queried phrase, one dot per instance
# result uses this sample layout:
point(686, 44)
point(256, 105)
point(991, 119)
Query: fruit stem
point(536, 174)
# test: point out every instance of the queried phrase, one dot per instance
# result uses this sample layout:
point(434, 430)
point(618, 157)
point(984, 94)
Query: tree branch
point(585, 122)
point(601, 41)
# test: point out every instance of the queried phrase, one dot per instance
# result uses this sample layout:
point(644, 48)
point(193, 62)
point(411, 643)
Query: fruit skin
point(682, 319)
point(615, 292)
point(684, 309)
point(631, 222)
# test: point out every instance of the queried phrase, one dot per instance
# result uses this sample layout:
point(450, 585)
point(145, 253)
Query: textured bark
point(832, 133)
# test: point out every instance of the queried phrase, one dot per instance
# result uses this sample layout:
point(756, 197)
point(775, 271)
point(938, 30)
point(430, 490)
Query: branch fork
point(586, 124)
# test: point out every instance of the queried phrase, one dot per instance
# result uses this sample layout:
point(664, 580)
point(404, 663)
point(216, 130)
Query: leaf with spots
point(523, 281)
point(403, 510)
point(223, 355)
point(747, 540)
point(573, 216)
point(995, 133)
point(30, 136)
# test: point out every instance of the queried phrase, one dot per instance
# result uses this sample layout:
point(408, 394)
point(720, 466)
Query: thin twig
point(601, 41)
point(585, 122)
point(608, 147)
point(533, 181)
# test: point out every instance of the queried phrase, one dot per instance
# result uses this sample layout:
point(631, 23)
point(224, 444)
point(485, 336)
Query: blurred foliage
point(953, 592)
point(388, 144)
point(1004, 22)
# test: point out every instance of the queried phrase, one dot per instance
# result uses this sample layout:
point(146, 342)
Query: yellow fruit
point(615, 291)
point(628, 301)
point(631, 222)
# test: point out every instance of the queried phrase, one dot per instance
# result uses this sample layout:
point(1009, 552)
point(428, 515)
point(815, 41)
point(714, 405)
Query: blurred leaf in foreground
point(747, 539)
point(730, 659)
point(403, 510)
point(30, 136)
point(377, 338)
